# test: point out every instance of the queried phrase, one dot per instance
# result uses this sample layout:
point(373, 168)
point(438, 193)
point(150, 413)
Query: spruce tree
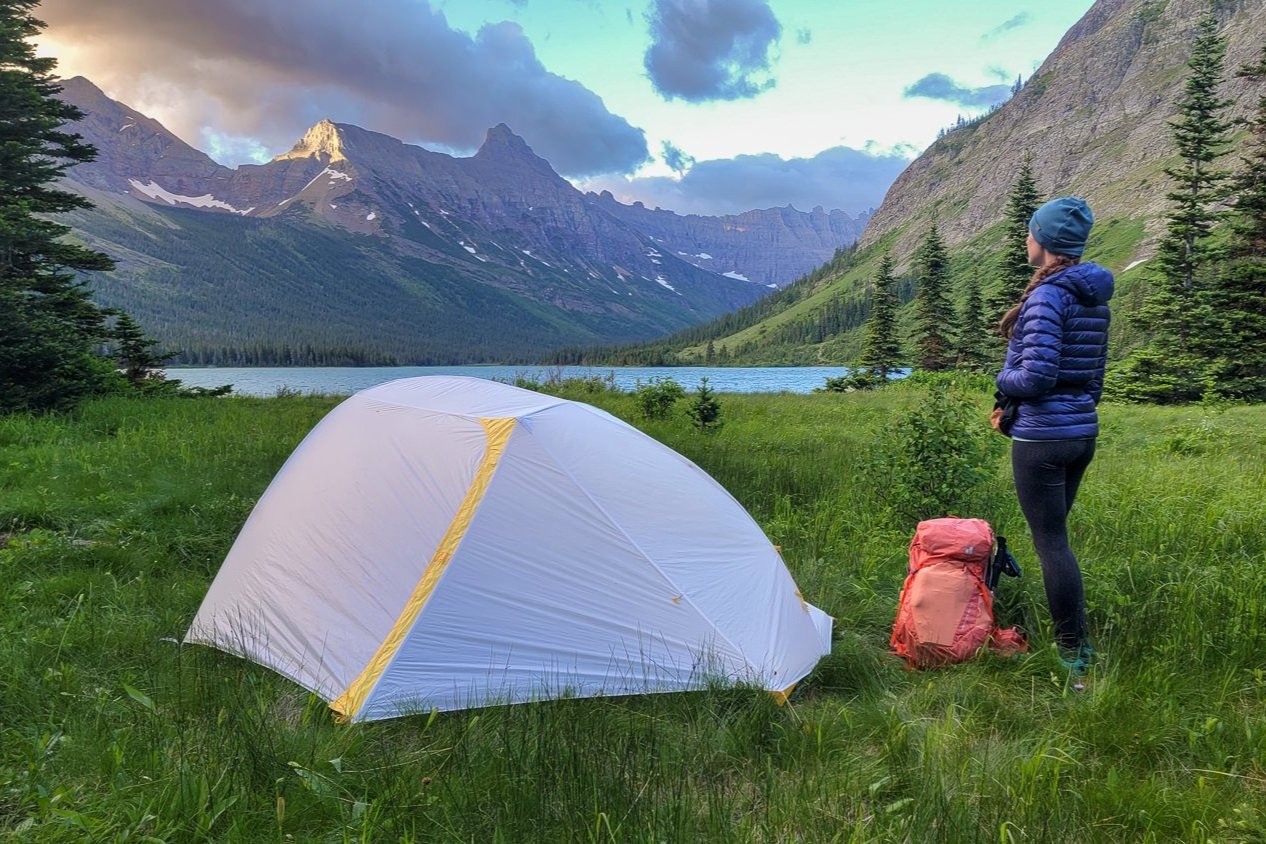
point(1237, 300)
point(1200, 135)
point(1174, 366)
point(881, 350)
point(50, 327)
point(1013, 268)
point(704, 410)
point(933, 312)
point(1249, 184)
point(134, 351)
point(973, 334)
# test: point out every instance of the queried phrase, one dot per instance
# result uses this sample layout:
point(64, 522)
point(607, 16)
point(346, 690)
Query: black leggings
point(1047, 475)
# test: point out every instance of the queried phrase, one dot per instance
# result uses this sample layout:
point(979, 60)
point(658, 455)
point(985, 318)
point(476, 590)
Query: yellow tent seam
point(348, 704)
point(780, 697)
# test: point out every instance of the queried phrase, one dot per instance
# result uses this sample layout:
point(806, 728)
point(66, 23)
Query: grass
point(116, 519)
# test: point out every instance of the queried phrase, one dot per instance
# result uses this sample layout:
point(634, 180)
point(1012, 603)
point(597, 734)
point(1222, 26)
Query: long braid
point(1006, 327)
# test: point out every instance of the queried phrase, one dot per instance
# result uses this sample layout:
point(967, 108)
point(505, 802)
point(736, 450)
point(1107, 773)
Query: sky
point(699, 106)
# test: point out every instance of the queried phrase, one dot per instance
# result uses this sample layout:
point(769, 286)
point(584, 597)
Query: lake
point(266, 381)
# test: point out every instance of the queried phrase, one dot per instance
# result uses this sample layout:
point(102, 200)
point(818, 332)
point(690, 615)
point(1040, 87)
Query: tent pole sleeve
point(348, 704)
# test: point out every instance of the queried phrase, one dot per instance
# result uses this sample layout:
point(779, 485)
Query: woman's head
point(1060, 227)
point(1057, 238)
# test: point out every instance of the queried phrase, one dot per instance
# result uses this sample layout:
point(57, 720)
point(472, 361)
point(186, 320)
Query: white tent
point(445, 542)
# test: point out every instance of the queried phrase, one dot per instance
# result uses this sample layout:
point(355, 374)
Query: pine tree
point(933, 312)
point(1013, 268)
point(973, 334)
point(1237, 301)
point(134, 351)
point(1249, 184)
point(50, 327)
point(881, 350)
point(1200, 135)
point(1174, 366)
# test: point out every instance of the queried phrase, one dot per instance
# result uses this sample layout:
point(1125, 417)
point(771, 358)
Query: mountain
point(1095, 119)
point(772, 246)
point(354, 245)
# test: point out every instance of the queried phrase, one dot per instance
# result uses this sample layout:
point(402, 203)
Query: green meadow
point(113, 521)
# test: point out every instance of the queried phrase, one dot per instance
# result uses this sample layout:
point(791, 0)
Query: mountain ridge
point(501, 218)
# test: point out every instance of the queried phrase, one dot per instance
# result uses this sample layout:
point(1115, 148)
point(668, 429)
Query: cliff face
point(773, 246)
point(1094, 117)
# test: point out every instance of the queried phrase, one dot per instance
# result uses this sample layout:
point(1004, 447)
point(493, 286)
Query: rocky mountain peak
point(502, 145)
point(325, 141)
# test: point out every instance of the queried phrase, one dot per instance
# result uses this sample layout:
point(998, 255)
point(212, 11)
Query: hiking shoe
point(1077, 660)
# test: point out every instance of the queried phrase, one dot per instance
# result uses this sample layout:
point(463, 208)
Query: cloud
point(268, 69)
point(841, 177)
point(675, 158)
point(711, 49)
point(938, 86)
point(804, 36)
point(1006, 26)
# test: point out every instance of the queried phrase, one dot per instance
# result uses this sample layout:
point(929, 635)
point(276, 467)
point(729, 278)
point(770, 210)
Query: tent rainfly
point(448, 543)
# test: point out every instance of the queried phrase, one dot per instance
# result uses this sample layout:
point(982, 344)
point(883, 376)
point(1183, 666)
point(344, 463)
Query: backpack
point(945, 614)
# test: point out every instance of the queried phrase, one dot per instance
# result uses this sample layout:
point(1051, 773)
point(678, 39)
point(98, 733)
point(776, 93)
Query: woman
point(1057, 350)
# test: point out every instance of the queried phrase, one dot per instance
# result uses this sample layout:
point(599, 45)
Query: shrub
point(656, 397)
point(937, 457)
point(862, 379)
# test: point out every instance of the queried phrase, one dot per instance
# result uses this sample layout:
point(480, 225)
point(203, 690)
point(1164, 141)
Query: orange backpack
point(945, 614)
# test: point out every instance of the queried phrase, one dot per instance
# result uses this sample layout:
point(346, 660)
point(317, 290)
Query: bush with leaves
point(705, 410)
point(656, 397)
point(862, 379)
point(936, 459)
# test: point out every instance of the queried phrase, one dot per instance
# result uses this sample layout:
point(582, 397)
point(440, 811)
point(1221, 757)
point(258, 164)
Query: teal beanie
point(1062, 225)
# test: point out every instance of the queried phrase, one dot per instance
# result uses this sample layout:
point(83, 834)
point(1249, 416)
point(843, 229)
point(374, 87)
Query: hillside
point(356, 247)
point(1094, 117)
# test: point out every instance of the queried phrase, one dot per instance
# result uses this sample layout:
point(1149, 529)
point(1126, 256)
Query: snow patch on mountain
point(156, 191)
point(335, 175)
point(736, 275)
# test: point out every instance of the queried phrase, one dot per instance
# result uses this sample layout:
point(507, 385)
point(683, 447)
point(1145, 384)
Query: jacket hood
point(1091, 283)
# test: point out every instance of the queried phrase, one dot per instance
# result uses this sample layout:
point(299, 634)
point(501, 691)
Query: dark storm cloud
point(1007, 25)
point(268, 69)
point(711, 49)
point(938, 86)
point(850, 179)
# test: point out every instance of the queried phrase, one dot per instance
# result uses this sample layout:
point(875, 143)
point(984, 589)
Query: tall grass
point(115, 520)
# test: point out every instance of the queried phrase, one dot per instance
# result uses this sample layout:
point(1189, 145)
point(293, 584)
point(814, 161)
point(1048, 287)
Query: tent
point(448, 542)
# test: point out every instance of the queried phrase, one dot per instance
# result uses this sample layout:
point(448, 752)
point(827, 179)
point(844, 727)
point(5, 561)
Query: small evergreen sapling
point(704, 409)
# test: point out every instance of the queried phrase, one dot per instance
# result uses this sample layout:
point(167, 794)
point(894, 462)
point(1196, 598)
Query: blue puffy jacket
point(1056, 356)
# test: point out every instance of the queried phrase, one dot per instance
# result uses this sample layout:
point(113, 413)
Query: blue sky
point(708, 106)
